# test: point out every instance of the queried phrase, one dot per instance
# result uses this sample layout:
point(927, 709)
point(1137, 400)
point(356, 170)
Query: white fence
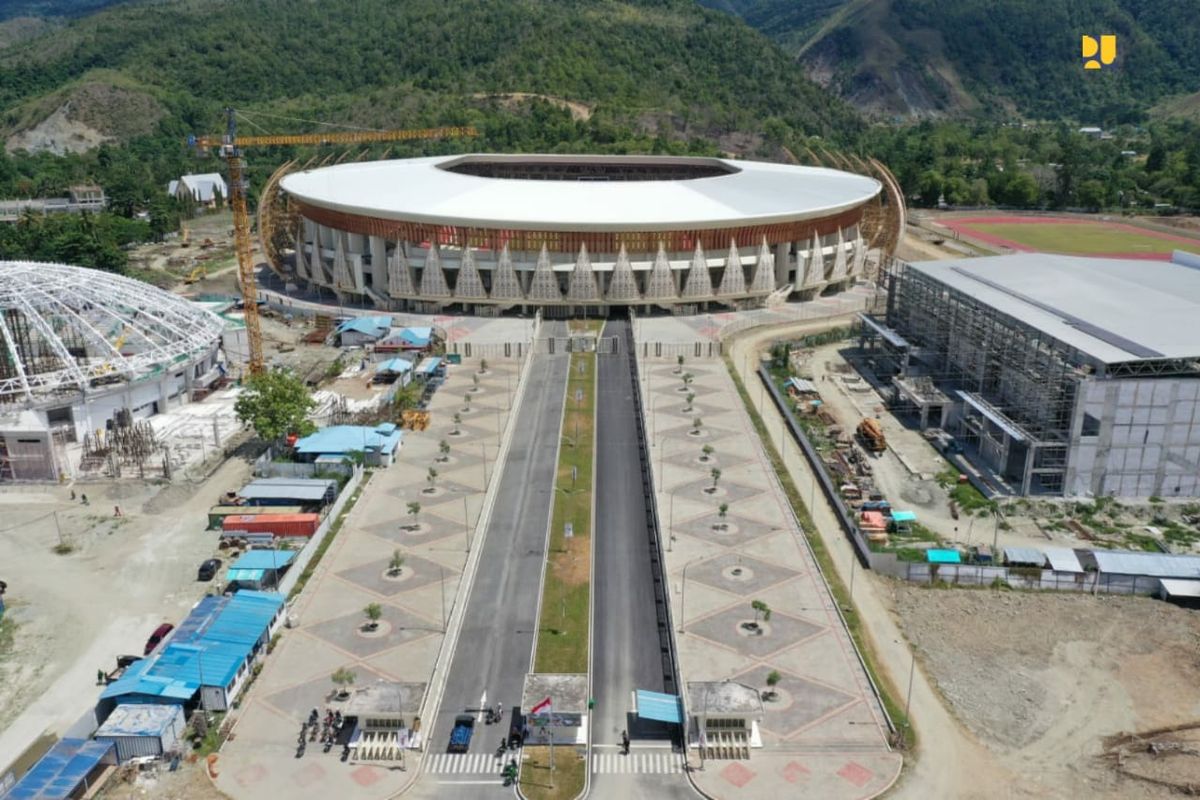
point(1031, 578)
point(314, 543)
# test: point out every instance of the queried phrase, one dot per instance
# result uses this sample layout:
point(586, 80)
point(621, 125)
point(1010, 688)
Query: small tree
point(483, 365)
point(414, 508)
point(444, 449)
point(722, 511)
point(715, 474)
point(457, 421)
point(275, 403)
point(431, 476)
point(696, 423)
point(707, 451)
point(688, 378)
point(679, 364)
point(466, 402)
point(773, 678)
point(475, 380)
point(690, 398)
point(761, 609)
point(373, 612)
point(396, 564)
point(343, 679)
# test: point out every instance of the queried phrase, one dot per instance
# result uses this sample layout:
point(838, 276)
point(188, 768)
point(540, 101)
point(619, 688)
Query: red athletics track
point(963, 225)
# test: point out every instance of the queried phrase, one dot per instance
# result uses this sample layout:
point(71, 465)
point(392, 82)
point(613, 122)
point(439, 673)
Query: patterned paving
point(798, 702)
point(396, 627)
point(739, 574)
point(375, 576)
point(726, 491)
point(725, 628)
point(738, 530)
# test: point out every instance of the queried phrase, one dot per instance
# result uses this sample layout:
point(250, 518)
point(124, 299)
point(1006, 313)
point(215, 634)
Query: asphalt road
point(495, 644)
point(626, 648)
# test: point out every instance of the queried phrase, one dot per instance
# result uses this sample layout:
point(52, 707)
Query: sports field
point(1072, 236)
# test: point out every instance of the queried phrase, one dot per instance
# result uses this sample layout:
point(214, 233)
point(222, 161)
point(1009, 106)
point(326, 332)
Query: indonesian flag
point(544, 706)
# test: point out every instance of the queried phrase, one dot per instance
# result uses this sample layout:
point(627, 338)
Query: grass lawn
point(568, 774)
point(563, 628)
point(1081, 237)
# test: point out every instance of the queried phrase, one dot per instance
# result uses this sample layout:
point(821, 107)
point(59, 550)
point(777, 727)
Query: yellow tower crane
point(230, 147)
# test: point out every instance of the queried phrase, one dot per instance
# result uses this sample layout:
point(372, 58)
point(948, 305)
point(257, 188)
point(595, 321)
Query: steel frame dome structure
point(67, 330)
point(486, 232)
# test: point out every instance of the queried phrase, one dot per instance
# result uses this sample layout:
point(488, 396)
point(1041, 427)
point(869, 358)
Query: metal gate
point(608, 345)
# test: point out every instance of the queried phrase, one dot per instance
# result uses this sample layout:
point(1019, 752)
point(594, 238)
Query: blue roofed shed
point(141, 730)
point(378, 444)
point(210, 652)
point(360, 330)
point(430, 368)
point(940, 556)
point(257, 569)
point(70, 768)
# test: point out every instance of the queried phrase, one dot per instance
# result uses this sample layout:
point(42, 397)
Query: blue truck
point(460, 736)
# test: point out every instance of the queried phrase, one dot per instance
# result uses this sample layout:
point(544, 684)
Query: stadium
point(483, 233)
point(83, 350)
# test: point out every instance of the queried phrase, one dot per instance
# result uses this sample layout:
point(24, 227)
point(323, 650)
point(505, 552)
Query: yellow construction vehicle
point(196, 274)
point(230, 147)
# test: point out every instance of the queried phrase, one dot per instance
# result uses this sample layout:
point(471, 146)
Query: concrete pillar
point(378, 248)
point(783, 263)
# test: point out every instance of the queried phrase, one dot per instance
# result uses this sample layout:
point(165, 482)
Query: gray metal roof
point(1062, 559)
point(1158, 565)
point(289, 489)
point(1024, 555)
point(1112, 309)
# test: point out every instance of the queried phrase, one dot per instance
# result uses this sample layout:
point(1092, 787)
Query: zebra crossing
point(641, 763)
point(465, 764)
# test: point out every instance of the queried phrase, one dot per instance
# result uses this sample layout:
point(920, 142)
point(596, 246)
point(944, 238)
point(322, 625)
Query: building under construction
point(1056, 374)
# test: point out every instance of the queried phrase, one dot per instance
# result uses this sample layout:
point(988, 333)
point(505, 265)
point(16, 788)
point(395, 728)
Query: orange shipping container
point(278, 524)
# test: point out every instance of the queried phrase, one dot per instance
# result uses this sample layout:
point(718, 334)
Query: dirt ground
point(1043, 679)
point(187, 783)
point(75, 613)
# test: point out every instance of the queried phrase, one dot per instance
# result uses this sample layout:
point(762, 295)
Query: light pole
point(466, 524)
point(683, 591)
point(483, 453)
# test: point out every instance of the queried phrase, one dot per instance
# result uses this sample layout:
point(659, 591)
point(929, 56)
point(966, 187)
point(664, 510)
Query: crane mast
point(230, 148)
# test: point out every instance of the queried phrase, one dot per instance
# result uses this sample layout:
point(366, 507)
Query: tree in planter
point(275, 403)
point(690, 398)
point(475, 381)
point(688, 378)
point(696, 423)
point(414, 508)
point(343, 679)
point(457, 421)
point(715, 474)
point(483, 366)
point(431, 476)
point(762, 610)
point(707, 452)
point(466, 402)
point(373, 612)
point(396, 565)
point(773, 678)
point(444, 449)
point(679, 364)
point(722, 512)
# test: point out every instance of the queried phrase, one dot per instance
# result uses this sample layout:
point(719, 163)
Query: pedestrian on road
point(72, 495)
point(83, 498)
point(625, 742)
point(117, 511)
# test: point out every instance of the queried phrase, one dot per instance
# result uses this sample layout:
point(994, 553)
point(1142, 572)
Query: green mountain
point(11, 9)
point(996, 57)
point(635, 68)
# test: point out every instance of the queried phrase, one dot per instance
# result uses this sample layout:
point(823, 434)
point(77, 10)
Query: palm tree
point(761, 609)
point(414, 508)
point(707, 450)
point(722, 511)
point(431, 476)
point(373, 612)
point(679, 363)
point(715, 473)
point(690, 398)
point(343, 679)
point(396, 564)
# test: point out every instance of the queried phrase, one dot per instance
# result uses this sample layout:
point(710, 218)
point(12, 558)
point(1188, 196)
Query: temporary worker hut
point(940, 556)
point(289, 491)
point(363, 330)
point(378, 444)
point(430, 368)
point(393, 370)
point(1024, 557)
point(258, 569)
point(902, 521)
point(139, 730)
point(405, 339)
point(72, 768)
point(217, 514)
point(207, 659)
point(874, 521)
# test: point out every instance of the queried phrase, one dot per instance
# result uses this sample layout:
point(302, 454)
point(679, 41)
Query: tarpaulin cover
point(659, 706)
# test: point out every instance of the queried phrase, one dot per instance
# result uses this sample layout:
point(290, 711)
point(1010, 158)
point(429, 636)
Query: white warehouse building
point(1058, 374)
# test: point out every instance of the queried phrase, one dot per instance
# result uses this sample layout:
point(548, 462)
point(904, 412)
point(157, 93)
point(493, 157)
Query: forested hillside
point(1016, 57)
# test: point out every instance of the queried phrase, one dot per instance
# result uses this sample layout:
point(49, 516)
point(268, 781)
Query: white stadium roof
point(1114, 310)
point(424, 190)
point(63, 327)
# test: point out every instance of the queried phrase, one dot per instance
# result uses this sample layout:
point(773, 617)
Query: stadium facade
point(1057, 374)
point(481, 233)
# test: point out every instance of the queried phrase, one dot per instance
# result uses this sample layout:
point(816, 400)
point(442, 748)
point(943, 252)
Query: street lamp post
point(683, 591)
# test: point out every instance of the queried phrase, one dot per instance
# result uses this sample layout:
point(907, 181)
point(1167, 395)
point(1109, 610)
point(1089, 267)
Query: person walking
point(83, 499)
point(625, 742)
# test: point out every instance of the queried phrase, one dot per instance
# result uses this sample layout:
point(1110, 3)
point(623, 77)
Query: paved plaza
point(823, 730)
point(260, 758)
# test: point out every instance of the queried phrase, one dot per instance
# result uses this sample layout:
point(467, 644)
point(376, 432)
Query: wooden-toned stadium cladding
point(711, 239)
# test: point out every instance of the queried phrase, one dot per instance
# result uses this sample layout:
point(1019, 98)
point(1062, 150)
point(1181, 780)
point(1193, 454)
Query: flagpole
point(551, 726)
